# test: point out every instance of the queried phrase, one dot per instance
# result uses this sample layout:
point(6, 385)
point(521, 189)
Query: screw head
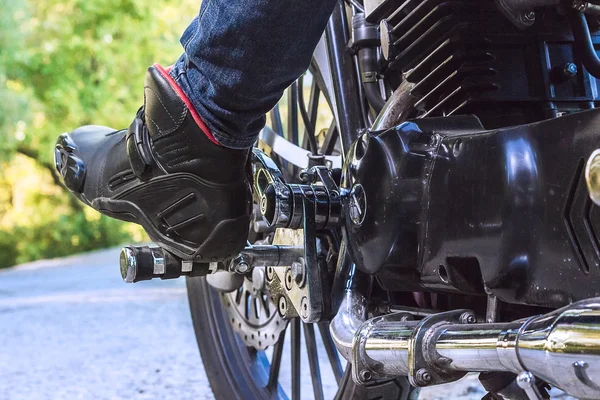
point(282, 306)
point(570, 69)
point(304, 308)
point(423, 377)
point(270, 273)
point(365, 375)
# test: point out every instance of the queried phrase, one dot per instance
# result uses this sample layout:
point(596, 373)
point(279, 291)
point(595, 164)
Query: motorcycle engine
point(466, 57)
point(461, 198)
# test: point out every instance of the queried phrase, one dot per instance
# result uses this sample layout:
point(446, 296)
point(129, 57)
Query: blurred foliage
point(66, 63)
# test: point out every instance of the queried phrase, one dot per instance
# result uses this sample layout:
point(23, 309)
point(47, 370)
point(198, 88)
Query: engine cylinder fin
point(464, 56)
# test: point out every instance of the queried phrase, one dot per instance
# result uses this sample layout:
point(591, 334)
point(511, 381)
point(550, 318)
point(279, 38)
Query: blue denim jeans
point(240, 55)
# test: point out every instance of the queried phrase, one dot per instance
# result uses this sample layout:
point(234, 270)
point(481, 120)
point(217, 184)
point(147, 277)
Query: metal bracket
point(422, 354)
point(301, 296)
point(290, 152)
point(313, 205)
point(360, 371)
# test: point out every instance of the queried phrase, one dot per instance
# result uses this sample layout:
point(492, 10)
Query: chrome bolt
point(242, 267)
point(289, 279)
point(423, 377)
point(570, 69)
point(307, 176)
point(592, 176)
point(365, 375)
point(525, 380)
point(467, 318)
point(282, 306)
point(304, 308)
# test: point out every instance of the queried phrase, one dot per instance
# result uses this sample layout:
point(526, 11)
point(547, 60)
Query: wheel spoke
point(295, 344)
point(330, 139)
point(313, 361)
point(276, 120)
point(313, 104)
point(332, 354)
point(293, 113)
point(345, 379)
point(276, 363)
point(309, 120)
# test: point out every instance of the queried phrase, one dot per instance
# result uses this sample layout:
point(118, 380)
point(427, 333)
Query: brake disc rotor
point(253, 313)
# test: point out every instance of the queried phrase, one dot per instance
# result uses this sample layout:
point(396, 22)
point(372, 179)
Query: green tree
point(66, 63)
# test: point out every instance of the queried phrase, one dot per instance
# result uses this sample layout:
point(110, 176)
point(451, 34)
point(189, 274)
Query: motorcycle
point(444, 222)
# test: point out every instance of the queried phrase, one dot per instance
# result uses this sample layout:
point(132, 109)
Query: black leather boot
point(166, 172)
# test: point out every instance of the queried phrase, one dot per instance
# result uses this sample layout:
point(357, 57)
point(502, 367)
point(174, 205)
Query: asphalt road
point(71, 329)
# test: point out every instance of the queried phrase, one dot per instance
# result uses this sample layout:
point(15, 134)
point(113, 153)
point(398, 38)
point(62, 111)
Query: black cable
point(367, 60)
point(310, 129)
point(583, 41)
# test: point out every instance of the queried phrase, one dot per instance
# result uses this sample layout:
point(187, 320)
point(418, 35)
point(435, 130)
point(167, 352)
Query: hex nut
point(242, 267)
point(365, 375)
point(423, 377)
point(467, 318)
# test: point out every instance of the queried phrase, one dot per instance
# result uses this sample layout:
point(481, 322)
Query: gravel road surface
point(71, 329)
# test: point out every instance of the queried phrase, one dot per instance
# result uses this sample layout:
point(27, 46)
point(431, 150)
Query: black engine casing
point(441, 204)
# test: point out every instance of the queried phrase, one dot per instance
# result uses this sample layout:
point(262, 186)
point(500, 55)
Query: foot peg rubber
point(142, 263)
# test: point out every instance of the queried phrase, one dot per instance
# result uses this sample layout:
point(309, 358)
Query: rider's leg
point(241, 55)
point(179, 170)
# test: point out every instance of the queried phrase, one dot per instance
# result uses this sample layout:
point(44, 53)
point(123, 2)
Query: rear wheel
point(236, 371)
point(248, 350)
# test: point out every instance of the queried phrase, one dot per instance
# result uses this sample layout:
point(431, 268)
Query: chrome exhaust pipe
point(561, 348)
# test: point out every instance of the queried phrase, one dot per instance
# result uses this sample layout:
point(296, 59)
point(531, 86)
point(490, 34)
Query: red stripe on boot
point(187, 102)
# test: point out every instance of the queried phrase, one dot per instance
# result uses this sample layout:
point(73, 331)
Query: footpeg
point(142, 263)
